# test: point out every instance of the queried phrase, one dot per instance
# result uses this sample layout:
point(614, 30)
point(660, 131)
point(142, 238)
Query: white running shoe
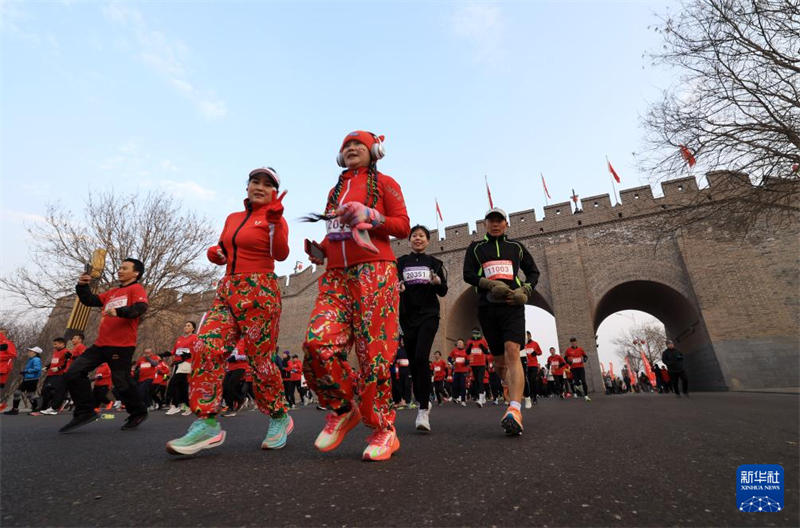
point(172, 410)
point(463, 403)
point(423, 420)
point(587, 398)
point(186, 412)
point(117, 405)
point(50, 411)
point(528, 403)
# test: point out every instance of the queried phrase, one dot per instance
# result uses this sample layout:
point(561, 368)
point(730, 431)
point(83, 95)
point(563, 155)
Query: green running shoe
point(279, 429)
point(201, 435)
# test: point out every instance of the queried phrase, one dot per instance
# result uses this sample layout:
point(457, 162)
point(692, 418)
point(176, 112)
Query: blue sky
point(188, 97)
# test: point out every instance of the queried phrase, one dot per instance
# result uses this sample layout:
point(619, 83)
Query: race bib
point(459, 360)
point(117, 302)
point(402, 362)
point(181, 351)
point(498, 270)
point(417, 275)
point(55, 361)
point(477, 352)
point(523, 353)
point(337, 230)
point(437, 369)
point(574, 360)
point(145, 365)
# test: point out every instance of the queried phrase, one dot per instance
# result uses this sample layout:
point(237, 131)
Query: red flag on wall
point(439, 211)
point(648, 370)
point(488, 192)
point(613, 172)
point(546, 192)
point(611, 369)
point(687, 155)
point(631, 373)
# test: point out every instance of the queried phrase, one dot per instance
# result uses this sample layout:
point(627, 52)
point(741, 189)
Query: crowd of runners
point(384, 308)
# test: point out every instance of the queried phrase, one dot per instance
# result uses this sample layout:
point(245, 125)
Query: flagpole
point(613, 184)
point(546, 201)
point(436, 212)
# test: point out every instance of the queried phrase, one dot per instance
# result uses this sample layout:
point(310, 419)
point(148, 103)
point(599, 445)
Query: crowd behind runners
point(367, 299)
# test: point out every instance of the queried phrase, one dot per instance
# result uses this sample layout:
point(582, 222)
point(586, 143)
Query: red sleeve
point(537, 349)
point(103, 297)
point(394, 205)
point(137, 294)
point(279, 245)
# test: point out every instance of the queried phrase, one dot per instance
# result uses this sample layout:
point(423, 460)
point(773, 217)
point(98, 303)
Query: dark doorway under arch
point(681, 319)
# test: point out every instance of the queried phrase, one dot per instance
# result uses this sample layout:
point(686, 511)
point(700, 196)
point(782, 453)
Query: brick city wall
point(729, 298)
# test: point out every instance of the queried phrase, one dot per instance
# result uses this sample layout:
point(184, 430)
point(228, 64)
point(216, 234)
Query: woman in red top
point(439, 369)
point(532, 352)
point(182, 368)
point(458, 358)
point(556, 365)
point(477, 350)
point(247, 306)
point(358, 299)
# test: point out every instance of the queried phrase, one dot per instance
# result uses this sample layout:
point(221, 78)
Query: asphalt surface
point(628, 460)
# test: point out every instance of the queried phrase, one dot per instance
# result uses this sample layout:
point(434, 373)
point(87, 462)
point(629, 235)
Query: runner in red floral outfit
point(358, 301)
point(248, 307)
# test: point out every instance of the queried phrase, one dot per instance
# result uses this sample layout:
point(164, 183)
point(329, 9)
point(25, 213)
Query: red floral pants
point(247, 307)
point(356, 306)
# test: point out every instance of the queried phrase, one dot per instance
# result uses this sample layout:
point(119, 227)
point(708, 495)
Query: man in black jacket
point(492, 265)
point(673, 359)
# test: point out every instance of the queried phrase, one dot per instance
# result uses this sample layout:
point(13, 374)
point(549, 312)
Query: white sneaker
point(172, 410)
point(50, 411)
point(186, 412)
point(117, 405)
point(463, 403)
point(528, 403)
point(423, 420)
point(587, 398)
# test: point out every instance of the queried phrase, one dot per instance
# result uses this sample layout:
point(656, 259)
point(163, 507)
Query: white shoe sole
point(190, 450)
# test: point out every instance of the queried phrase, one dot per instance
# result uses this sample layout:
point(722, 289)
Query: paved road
point(638, 460)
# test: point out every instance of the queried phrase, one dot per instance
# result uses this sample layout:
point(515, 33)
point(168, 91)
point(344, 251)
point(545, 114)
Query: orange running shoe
point(336, 428)
point(512, 422)
point(382, 444)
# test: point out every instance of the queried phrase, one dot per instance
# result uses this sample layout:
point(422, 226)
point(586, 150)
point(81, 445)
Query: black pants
point(438, 389)
point(402, 392)
point(144, 392)
point(53, 392)
point(100, 395)
point(559, 385)
point(418, 342)
point(27, 387)
point(179, 389)
point(232, 390)
point(460, 385)
point(119, 360)
point(496, 384)
point(674, 377)
point(579, 379)
point(158, 394)
point(288, 389)
point(478, 373)
point(533, 381)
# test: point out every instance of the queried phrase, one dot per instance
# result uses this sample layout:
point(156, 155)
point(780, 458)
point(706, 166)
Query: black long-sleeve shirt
point(673, 359)
point(498, 258)
point(420, 299)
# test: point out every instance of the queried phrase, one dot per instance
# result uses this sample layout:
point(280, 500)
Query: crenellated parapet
point(601, 208)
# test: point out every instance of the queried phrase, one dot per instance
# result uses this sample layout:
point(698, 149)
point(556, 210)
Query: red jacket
point(162, 373)
point(459, 360)
point(391, 204)
point(252, 243)
point(296, 373)
point(556, 364)
point(147, 367)
point(574, 357)
point(77, 350)
point(237, 360)
point(130, 302)
point(439, 369)
point(477, 352)
point(102, 376)
point(533, 351)
point(184, 346)
point(7, 355)
point(60, 362)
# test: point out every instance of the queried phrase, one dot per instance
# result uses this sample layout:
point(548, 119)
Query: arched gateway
point(729, 299)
